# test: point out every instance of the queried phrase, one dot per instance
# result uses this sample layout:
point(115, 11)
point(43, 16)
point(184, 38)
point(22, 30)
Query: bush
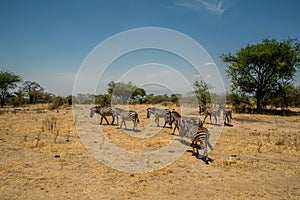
point(57, 102)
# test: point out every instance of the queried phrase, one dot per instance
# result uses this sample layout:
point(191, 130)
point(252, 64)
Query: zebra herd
point(188, 127)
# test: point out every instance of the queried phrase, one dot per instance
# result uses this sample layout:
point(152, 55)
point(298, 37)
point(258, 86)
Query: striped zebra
point(187, 122)
point(227, 115)
point(126, 115)
point(159, 113)
point(103, 112)
point(174, 117)
point(215, 113)
point(192, 128)
point(200, 141)
point(182, 123)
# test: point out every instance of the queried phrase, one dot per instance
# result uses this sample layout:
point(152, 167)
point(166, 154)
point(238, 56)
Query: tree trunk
point(2, 102)
point(258, 103)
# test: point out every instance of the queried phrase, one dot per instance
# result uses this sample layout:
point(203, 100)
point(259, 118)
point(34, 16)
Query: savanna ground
point(42, 157)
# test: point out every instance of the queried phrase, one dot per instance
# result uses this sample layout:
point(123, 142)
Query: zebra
point(227, 115)
point(188, 122)
point(215, 113)
point(126, 115)
point(159, 113)
point(174, 117)
point(103, 112)
point(182, 123)
point(192, 127)
point(201, 141)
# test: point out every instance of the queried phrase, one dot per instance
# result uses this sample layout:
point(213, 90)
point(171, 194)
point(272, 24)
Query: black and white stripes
point(188, 127)
point(159, 113)
point(126, 115)
point(103, 112)
point(192, 128)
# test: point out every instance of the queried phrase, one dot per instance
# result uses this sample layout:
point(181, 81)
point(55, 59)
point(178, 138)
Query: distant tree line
point(15, 93)
point(262, 76)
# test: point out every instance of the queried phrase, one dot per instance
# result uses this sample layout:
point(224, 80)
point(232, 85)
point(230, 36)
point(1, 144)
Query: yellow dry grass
point(257, 158)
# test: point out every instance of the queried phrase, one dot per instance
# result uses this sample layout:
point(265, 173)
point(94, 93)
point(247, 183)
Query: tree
point(262, 68)
point(123, 92)
point(8, 82)
point(33, 90)
point(201, 90)
point(175, 98)
point(103, 100)
point(17, 98)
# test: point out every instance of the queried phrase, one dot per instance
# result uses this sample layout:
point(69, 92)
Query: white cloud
point(216, 7)
point(209, 63)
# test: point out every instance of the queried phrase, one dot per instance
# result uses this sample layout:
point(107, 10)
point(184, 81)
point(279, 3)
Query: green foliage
point(8, 82)
point(84, 99)
point(103, 100)
point(17, 99)
point(262, 68)
point(175, 98)
point(69, 100)
point(56, 103)
point(286, 96)
point(122, 93)
point(34, 91)
point(201, 90)
point(240, 102)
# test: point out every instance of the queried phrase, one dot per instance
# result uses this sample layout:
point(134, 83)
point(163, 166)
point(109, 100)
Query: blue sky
point(47, 41)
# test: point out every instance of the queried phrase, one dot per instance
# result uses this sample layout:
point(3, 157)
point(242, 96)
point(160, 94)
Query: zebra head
point(93, 111)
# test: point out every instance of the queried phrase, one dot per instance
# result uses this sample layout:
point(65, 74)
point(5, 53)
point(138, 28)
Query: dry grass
point(43, 158)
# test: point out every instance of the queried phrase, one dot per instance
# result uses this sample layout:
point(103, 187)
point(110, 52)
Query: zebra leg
point(134, 125)
point(157, 121)
point(125, 124)
point(204, 119)
point(205, 154)
point(106, 119)
point(113, 120)
point(101, 118)
point(175, 129)
point(195, 149)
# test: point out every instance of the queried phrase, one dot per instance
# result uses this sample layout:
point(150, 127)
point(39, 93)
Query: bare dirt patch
point(257, 158)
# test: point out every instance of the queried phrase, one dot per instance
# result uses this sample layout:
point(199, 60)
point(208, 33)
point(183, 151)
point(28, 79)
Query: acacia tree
point(124, 92)
point(263, 68)
point(33, 90)
point(8, 82)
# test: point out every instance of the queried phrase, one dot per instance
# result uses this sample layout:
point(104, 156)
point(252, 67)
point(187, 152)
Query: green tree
point(103, 99)
point(8, 82)
point(33, 90)
point(261, 68)
point(201, 90)
point(286, 96)
point(123, 92)
point(175, 98)
point(17, 99)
